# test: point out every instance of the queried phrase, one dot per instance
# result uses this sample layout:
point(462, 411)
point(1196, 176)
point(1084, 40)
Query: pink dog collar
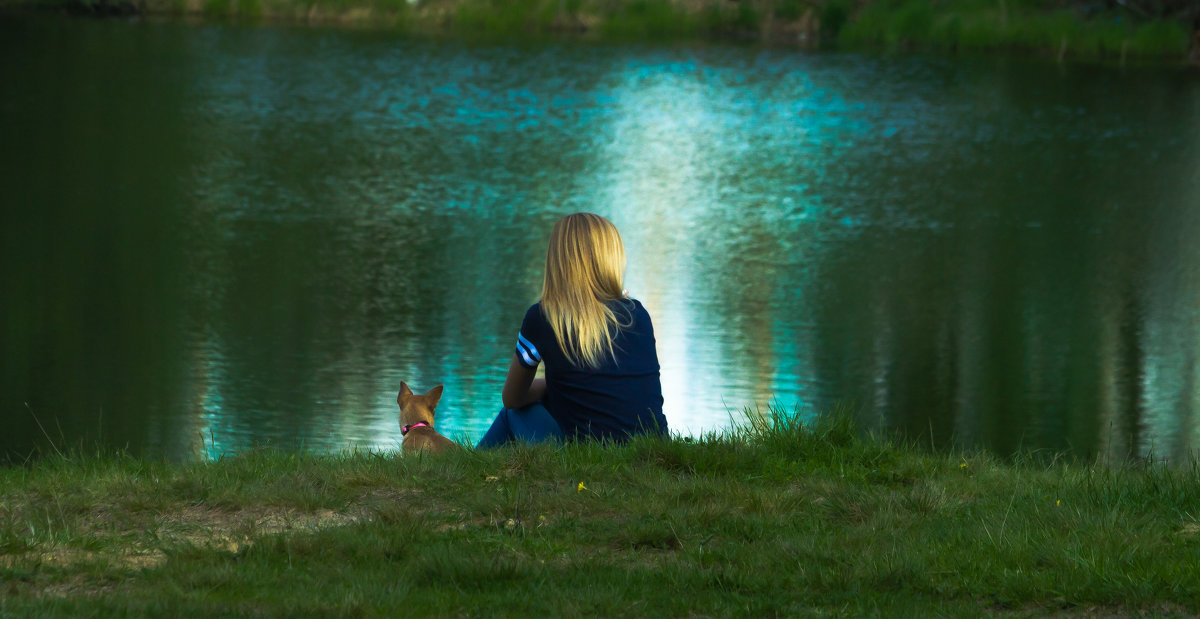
point(419, 424)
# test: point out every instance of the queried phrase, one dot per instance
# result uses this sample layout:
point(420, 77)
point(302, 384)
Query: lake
point(220, 236)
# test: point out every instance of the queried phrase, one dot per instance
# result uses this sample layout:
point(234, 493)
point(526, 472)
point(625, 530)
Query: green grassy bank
point(1158, 29)
point(782, 520)
point(1048, 27)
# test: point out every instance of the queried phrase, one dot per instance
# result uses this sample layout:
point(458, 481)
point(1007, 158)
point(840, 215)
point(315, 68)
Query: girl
point(598, 346)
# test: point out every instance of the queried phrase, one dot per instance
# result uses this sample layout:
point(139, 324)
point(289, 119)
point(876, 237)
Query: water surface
point(218, 236)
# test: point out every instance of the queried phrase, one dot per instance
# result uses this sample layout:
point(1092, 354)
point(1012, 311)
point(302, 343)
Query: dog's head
point(417, 408)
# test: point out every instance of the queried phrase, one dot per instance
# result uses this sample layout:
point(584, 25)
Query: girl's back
point(619, 397)
point(602, 373)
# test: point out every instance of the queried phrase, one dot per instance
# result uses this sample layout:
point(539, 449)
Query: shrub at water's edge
point(987, 25)
point(1062, 28)
point(774, 518)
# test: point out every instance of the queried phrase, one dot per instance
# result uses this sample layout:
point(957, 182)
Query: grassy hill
point(775, 519)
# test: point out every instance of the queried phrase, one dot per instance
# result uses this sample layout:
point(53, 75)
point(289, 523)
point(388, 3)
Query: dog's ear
point(436, 394)
point(404, 388)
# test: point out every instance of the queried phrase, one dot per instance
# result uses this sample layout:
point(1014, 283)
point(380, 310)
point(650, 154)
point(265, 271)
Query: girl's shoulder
point(534, 314)
point(631, 313)
point(630, 304)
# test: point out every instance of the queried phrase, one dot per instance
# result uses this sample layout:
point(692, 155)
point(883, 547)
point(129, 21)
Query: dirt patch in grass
point(230, 530)
point(108, 544)
point(234, 530)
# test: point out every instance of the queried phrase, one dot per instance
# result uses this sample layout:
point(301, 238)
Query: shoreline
point(1120, 34)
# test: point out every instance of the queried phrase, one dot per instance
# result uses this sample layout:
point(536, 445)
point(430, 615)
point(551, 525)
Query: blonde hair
point(585, 267)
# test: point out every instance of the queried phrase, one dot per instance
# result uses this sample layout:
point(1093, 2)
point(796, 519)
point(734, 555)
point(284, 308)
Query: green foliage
point(1163, 38)
point(1029, 25)
point(788, 9)
point(1069, 28)
point(868, 28)
point(500, 18)
point(913, 21)
point(646, 19)
point(218, 8)
point(834, 15)
point(250, 8)
point(747, 19)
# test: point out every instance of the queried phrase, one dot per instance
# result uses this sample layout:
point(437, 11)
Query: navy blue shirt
point(621, 397)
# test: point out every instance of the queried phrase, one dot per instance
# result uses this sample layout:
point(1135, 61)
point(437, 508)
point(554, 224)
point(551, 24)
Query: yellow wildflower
point(581, 487)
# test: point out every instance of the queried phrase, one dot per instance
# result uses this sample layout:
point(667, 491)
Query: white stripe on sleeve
point(527, 351)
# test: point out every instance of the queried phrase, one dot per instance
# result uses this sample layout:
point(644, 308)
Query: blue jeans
point(532, 424)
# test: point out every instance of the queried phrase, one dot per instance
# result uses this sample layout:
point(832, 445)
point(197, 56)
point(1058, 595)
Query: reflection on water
point(217, 237)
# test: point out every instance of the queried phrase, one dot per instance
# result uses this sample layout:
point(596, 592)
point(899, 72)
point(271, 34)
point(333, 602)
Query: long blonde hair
point(585, 267)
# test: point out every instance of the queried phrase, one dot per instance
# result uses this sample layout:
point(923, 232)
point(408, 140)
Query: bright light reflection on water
point(264, 230)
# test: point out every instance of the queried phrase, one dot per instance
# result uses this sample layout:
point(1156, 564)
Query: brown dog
point(416, 421)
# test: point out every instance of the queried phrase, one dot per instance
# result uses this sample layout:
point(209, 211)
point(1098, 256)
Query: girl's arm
point(521, 388)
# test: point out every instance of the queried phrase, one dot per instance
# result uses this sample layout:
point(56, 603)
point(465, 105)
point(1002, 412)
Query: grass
point(1015, 25)
point(773, 519)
